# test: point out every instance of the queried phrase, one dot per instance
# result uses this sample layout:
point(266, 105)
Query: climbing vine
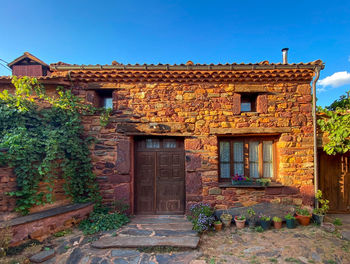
point(335, 122)
point(43, 138)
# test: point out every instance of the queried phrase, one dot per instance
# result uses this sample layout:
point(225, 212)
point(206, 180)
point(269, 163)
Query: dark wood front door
point(160, 176)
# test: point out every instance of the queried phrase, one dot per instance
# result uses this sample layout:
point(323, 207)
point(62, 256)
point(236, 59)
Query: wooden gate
point(334, 179)
point(160, 176)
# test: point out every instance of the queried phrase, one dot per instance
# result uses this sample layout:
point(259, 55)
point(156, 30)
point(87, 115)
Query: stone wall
point(201, 113)
point(7, 184)
point(8, 203)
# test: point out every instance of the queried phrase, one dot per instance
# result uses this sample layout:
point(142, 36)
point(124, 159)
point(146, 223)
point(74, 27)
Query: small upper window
point(248, 102)
point(105, 98)
point(108, 102)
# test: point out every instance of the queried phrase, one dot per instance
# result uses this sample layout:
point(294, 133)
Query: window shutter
point(236, 104)
point(91, 97)
point(261, 103)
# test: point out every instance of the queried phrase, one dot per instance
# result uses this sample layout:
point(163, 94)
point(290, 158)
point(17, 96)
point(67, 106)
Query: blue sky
point(98, 32)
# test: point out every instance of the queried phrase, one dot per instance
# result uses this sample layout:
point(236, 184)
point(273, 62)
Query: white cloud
point(335, 80)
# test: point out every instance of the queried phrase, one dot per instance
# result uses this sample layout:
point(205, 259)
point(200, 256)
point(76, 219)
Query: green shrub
point(100, 220)
point(337, 221)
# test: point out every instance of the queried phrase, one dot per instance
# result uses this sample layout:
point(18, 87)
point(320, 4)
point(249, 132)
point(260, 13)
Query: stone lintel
point(250, 130)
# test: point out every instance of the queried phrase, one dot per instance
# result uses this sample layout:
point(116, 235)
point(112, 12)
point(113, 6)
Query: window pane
point(238, 151)
point(169, 143)
point(254, 170)
point(254, 159)
point(225, 151)
point(246, 107)
point(108, 102)
point(267, 157)
point(238, 168)
point(268, 170)
point(254, 151)
point(152, 143)
point(225, 170)
point(267, 150)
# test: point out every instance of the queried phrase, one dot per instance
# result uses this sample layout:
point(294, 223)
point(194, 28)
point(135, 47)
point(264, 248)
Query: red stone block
point(193, 183)
point(123, 157)
point(117, 179)
point(290, 190)
point(193, 144)
point(307, 194)
point(193, 162)
point(273, 191)
point(122, 193)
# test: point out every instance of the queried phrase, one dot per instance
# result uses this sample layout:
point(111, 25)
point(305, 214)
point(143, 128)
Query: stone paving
point(151, 231)
point(167, 233)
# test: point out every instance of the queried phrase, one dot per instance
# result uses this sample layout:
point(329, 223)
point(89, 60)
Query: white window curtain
point(267, 158)
point(238, 164)
point(225, 159)
point(254, 159)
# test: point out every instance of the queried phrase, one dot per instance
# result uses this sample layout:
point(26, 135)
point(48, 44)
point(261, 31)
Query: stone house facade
point(178, 133)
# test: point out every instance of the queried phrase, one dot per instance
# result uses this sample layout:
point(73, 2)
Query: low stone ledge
point(42, 225)
point(44, 214)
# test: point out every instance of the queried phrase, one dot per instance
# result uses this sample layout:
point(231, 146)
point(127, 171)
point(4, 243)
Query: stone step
point(146, 241)
point(163, 226)
point(159, 220)
point(144, 232)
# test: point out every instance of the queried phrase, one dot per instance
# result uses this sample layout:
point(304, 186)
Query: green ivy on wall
point(335, 122)
point(43, 138)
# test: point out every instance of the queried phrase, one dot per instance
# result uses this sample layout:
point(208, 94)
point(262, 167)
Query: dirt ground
point(308, 244)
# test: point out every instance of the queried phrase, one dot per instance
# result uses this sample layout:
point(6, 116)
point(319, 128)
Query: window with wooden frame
point(105, 98)
point(253, 157)
point(248, 102)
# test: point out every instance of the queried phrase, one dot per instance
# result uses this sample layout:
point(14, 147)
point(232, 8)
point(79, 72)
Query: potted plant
point(251, 214)
point(226, 219)
point(319, 213)
point(263, 182)
point(303, 216)
point(277, 222)
point(265, 221)
point(240, 221)
point(240, 180)
point(218, 225)
point(290, 221)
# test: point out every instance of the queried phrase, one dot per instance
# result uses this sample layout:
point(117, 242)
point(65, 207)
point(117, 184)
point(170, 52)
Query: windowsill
point(253, 185)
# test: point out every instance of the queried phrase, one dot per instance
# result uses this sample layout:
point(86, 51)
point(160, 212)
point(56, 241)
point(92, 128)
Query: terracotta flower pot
point(218, 227)
point(277, 225)
point(240, 223)
point(304, 220)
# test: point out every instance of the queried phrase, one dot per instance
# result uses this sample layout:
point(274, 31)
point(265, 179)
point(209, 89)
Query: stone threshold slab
point(155, 220)
point(178, 226)
point(146, 241)
point(43, 214)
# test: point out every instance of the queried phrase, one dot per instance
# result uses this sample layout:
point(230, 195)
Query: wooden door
point(160, 176)
point(334, 176)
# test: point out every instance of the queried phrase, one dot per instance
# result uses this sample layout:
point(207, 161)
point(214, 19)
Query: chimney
point(285, 56)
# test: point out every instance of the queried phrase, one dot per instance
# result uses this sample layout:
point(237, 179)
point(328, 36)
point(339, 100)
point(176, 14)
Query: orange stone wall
point(201, 113)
